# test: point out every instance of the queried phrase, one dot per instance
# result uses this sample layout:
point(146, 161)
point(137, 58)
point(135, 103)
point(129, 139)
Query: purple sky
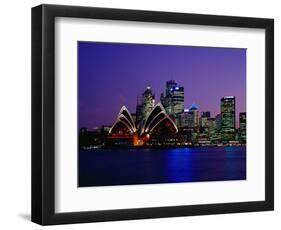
point(113, 74)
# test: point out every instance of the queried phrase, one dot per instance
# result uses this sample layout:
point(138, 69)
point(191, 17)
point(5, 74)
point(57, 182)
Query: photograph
point(140, 114)
point(154, 113)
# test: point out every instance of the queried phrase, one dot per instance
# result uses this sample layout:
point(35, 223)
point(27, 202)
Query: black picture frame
point(43, 114)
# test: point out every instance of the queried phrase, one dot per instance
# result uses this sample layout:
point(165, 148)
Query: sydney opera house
point(168, 123)
point(158, 128)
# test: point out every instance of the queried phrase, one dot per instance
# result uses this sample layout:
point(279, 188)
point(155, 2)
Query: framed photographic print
point(142, 114)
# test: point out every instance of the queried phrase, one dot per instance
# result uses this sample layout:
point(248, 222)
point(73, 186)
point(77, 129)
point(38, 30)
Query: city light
point(168, 123)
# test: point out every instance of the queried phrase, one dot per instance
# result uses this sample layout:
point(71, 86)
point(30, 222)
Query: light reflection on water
point(179, 163)
point(150, 166)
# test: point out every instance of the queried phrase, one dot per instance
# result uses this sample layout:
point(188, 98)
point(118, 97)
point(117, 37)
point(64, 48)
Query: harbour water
point(105, 167)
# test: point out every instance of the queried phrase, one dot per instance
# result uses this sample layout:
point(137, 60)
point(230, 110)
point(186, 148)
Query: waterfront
point(104, 167)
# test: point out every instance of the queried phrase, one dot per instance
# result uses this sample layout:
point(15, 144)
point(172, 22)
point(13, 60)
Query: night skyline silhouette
point(111, 75)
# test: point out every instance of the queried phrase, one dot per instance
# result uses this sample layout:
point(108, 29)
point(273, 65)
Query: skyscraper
point(173, 101)
point(242, 127)
point(204, 119)
point(193, 118)
point(144, 106)
point(139, 111)
point(218, 122)
point(184, 118)
point(228, 118)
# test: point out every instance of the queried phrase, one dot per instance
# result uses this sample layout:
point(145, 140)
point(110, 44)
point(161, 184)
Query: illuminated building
point(124, 124)
point(218, 122)
point(189, 123)
point(161, 129)
point(148, 102)
point(211, 123)
point(184, 118)
point(242, 127)
point(144, 106)
point(139, 112)
point(158, 128)
point(169, 124)
point(173, 100)
point(228, 119)
point(193, 116)
point(204, 119)
point(207, 129)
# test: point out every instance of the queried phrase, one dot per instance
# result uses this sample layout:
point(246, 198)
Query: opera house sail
point(157, 129)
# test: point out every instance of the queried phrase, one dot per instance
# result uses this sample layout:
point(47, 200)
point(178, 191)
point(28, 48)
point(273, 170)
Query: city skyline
point(167, 123)
point(94, 113)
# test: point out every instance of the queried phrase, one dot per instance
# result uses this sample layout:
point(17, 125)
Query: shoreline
point(159, 147)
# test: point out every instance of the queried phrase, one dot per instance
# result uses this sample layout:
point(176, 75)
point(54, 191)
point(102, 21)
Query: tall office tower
point(193, 116)
point(184, 119)
point(242, 127)
point(204, 119)
point(218, 122)
point(173, 101)
point(138, 111)
point(170, 85)
point(211, 123)
point(145, 106)
point(228, 118)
